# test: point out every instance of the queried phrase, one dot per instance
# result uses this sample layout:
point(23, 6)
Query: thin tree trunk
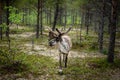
point(23, 16)
point(76, 17)
point(87, 21)
point(109, 24)
point(73, 18)
point(82, 20)
point(65, 19)
point(0, 12)
point(29, 16)
point(60, 16)
point(56, 15)
point(112, 31)
point(0, 32)
point(47, 17)
point(37, 27)
point(101, 36)
point(95, 27)
point(41, 22)
point(50, 18)
point(7, 21)
point(101, 33)
point(0, 20)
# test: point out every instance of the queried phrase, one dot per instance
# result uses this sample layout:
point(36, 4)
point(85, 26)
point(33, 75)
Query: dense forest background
point(95, 34)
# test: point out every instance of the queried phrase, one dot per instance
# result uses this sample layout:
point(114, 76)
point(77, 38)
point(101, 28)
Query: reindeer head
point(54, 38)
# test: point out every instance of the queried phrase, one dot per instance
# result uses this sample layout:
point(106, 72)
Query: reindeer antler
point(63, 32)
point(68, 30)
point(58, 31)
point(52, 31)
point(49, 29)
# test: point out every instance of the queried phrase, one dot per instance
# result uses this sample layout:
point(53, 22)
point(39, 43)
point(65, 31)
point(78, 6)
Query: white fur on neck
point(65, 44)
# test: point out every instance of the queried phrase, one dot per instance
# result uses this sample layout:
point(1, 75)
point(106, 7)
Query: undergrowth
point(15, 61)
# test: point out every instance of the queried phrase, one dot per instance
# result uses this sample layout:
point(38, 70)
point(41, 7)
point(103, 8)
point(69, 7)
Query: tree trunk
point(72, 17)
point(87, 21)
point(50, 18)
point(65, 19)
point(109, 18)
point(23, 16)
point(101, 29)
point(37, 27)
point(95, 27)
point(112, 31)
point(56, 15)
point(47, 17)
point(82, 20)
point(0, 32)
point(76, 15)
point(0, 20)
point(7, 20)
point(60, 16)
point(41, 22)
point(0, 12)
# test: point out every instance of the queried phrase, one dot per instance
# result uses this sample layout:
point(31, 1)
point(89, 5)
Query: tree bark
point(87, 21)
point(0, 32)
point(47, 17)
point(82, 20)
point(56, 15)
point(23, 16)
point(0, 20)
point(60, 16)
point(50, 17)
point(101, 29)
point(38, 17)
point(112, 31)
point(41, 21)
point(7, 20)
point(65, 12)
point(0, 12)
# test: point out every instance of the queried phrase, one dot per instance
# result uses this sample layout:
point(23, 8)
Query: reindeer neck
point(65, 44)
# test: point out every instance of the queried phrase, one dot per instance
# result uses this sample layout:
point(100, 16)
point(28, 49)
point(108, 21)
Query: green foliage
point(102, 63)
point(91, 69)
point(11, 61)
point(8, 55)
point(15, 61)
point(15, 16)
point(40, 64)
point(4, 26)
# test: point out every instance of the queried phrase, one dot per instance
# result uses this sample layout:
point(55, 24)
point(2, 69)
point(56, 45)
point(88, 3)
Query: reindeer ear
point(68, 30)
point(58, 31)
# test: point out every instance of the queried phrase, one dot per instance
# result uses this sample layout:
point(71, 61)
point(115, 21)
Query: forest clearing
point(59, 40)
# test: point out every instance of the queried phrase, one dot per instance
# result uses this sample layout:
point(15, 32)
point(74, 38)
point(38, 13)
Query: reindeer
point(64, 45)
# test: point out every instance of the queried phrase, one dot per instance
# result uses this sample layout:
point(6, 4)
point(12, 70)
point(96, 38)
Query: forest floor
point(53, 52)
point(82, 65)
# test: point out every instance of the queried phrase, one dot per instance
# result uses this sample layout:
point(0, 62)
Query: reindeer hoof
point(60, 71)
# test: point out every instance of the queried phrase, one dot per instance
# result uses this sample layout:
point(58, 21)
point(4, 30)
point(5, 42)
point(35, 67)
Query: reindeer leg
point(60, 61)
point(63, 57)
point(66, 57)
point(60, 69)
